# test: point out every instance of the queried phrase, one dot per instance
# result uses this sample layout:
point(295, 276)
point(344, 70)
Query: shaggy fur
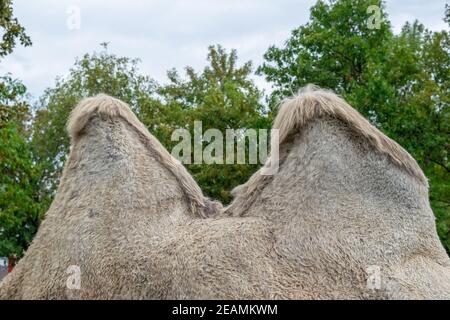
point(120, 190)
point(345, 202)
point(309, 104)
point(108, 108)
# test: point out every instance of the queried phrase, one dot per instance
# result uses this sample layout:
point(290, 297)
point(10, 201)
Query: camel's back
point(350, 221)
point(114, 197)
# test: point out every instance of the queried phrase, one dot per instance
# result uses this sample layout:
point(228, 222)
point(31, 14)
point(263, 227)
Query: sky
point(167, 34)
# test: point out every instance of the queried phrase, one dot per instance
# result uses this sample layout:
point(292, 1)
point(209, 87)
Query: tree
point(23, 199)
point(399, 82)
point(333, 50)
point(92, 74)
point(11, 28)
point(222, 97)
point(22, 202)
point(13, 105)
point(423, 126)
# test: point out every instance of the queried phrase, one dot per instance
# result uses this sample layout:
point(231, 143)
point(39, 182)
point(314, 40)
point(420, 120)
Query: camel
point(349, 204)
point(120, 189)
point(346, 216)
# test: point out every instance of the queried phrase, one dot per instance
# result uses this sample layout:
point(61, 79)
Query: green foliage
point(92, 74)
point(333, 50)
point(22, 202)
point(11, 29)
point(400, 82)
point(23, 199)
point(222, 97)
point(13, 105)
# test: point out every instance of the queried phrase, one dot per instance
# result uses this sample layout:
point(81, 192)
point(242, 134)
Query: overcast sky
point(168, 33)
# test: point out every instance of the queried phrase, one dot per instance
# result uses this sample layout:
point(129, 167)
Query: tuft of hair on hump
point(101, 105)
point(312, 102)
point(294, 113)
point(107, 107)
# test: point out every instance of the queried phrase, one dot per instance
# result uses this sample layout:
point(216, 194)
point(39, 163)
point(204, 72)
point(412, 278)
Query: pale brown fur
point(344, 201)
point(311, 103)
point(108, 107)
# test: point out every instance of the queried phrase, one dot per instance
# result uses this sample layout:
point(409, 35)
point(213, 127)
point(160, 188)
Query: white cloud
point(167, 34)
point(430, 13)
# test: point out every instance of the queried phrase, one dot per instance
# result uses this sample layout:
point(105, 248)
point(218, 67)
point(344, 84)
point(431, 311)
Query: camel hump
point(106, 107)
point(312, 102)
point(103, 106)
